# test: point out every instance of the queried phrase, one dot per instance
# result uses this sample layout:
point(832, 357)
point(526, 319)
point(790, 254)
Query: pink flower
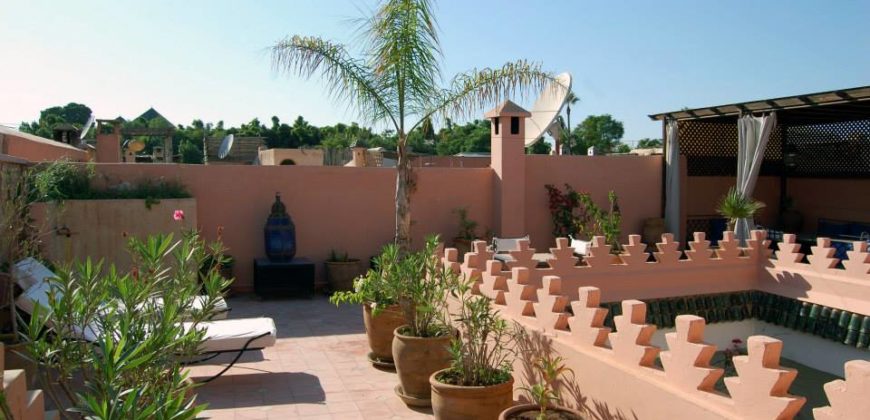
point(178, 215)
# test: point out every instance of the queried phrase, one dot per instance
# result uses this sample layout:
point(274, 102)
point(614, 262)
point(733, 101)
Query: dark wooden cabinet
point(294, 277)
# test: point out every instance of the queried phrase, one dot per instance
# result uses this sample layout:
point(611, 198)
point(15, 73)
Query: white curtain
point(752, 136)
point(672, 181)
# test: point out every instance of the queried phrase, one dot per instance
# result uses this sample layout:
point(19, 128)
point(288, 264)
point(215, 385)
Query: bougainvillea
point(575, 215)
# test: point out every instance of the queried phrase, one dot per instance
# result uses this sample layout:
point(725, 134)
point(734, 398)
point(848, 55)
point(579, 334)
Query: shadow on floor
point(262, 389)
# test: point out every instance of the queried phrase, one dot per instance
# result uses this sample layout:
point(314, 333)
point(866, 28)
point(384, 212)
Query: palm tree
point(571, 99)
point(397, 81)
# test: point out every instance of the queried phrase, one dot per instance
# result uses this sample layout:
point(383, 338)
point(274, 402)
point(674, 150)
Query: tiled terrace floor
point(317, 370)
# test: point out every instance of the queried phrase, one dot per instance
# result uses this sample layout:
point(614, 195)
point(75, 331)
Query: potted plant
point(478, 383)
point(341, 270)
point(734, 205)
point(467, 232)
point(421, 346)
point(544, 395)
point(381, 313)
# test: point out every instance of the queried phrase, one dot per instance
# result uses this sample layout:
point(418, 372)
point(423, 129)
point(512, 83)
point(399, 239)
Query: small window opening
point(515, 125)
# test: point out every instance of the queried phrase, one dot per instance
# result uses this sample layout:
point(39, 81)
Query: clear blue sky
point(206, 59)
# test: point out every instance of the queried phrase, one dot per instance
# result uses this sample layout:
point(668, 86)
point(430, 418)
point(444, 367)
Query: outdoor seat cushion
point(580, 247)
point(232, 334)
point(29, 272)
point(502, 245)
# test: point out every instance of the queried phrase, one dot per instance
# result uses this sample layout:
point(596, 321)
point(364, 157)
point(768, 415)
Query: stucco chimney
point(509, 163)
point(109, 145)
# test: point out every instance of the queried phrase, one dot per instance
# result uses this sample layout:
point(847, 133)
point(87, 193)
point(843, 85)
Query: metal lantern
point(279, 233)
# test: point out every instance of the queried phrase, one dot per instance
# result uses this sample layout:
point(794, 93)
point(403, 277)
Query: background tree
point(397, 81)
point(601, 131)
point(539, 148)
point(71, 113)
point(648, 143)
point(571, 99)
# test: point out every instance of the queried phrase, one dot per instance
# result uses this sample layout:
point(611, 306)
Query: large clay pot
point(653, 228)
point(451, 402)
point(416, 359)
point(341, 274)
point(379, 329)
point(530, 411)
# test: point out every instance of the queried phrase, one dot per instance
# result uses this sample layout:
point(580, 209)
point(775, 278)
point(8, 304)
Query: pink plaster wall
point(333, 207)
point(39, 149)
point(637, 181)
point(704, 192)
point(843, 199)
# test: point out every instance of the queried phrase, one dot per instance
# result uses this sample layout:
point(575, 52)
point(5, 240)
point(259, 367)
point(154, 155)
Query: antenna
point(87, 127)
point(547, 108)
point(226, 146)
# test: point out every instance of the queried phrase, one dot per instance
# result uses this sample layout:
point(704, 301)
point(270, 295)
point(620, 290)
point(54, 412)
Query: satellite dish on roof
point(87, 127)
point(547, 108)
point(226, 146)
point(135, 146)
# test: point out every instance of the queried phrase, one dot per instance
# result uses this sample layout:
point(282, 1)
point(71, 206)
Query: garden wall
point(35, 148)
point(637, 181)
point(77, 229)
point(349, 209)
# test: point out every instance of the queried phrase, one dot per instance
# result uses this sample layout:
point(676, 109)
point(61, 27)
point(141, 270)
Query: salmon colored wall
point(40, 151)
point(333, 207)
point(842, 199)
point(637, 181)
point(704, 192)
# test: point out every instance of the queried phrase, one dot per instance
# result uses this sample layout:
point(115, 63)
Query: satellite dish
point(547, 108)
point(87, 127)
point(135, 146)
point(226, 146)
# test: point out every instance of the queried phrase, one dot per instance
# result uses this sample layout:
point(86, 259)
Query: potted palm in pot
point(467, 232)
point(478, 384)
point(381, 313)
point(734, 205)
point(544, 395)
point(421, 346)
point(341, 270)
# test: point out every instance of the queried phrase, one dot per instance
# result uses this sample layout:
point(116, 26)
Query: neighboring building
point(301, 157)
point(245, 151)
point(35, 148)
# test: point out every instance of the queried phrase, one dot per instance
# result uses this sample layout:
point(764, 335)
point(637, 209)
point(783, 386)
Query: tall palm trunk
point(404, 187)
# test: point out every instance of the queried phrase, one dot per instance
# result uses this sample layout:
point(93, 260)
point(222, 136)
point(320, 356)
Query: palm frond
point(347, 79)
point(404, 51)
point(735, 205)
point(472, 91)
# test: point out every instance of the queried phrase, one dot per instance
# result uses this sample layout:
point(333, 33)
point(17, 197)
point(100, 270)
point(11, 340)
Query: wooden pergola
point(818, 135)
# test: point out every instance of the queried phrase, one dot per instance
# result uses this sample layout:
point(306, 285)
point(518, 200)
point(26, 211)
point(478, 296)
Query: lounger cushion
point(580, 247)
point(30, 272)
point(232, 334)
point(33, 296)
point(502, 245)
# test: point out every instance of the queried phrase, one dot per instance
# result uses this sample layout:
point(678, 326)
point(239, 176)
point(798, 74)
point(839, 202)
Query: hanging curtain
point(752, 136)
point(672, 181)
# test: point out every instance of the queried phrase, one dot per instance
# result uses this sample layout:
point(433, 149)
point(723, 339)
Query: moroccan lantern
point(279, 233)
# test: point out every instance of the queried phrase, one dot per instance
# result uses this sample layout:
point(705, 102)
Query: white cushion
point(233, 334)
point(29, 272)
point(35, 295)
point(580, 247)
point(502, 245)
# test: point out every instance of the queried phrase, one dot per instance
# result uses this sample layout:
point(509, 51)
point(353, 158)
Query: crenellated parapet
point(563, 299)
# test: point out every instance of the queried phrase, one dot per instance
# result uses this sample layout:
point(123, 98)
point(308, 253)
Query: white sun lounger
point(29, 273)
point(221, 336)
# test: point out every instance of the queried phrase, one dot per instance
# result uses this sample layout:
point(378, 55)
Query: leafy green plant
point(606, 223)
point(421, 284)
point(124, 335)
point(480, 353)
point(735, 205)
point(544, 393)
point(374, 287)
point(64, 180)
point(339, 256)
point(467, 227)
point(576, 215)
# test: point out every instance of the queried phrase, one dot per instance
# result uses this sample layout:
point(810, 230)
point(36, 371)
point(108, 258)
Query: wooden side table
point(294, 277)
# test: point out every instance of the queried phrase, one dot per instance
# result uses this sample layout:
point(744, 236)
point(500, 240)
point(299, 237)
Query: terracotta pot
point(416, 359)
point(463, 246)
point(470, 402)
point(533, 410)
point(341, 274)
point(379, 330)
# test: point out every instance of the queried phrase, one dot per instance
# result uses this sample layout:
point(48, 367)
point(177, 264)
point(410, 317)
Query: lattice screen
point(829, 150)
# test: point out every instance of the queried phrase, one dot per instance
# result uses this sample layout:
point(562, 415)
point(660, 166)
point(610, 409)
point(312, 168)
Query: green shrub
point(64, 180)
point(129, 360)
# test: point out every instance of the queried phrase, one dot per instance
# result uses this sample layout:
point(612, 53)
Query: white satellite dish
point(87, 127)
point(547, 108)
point(226, 146)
